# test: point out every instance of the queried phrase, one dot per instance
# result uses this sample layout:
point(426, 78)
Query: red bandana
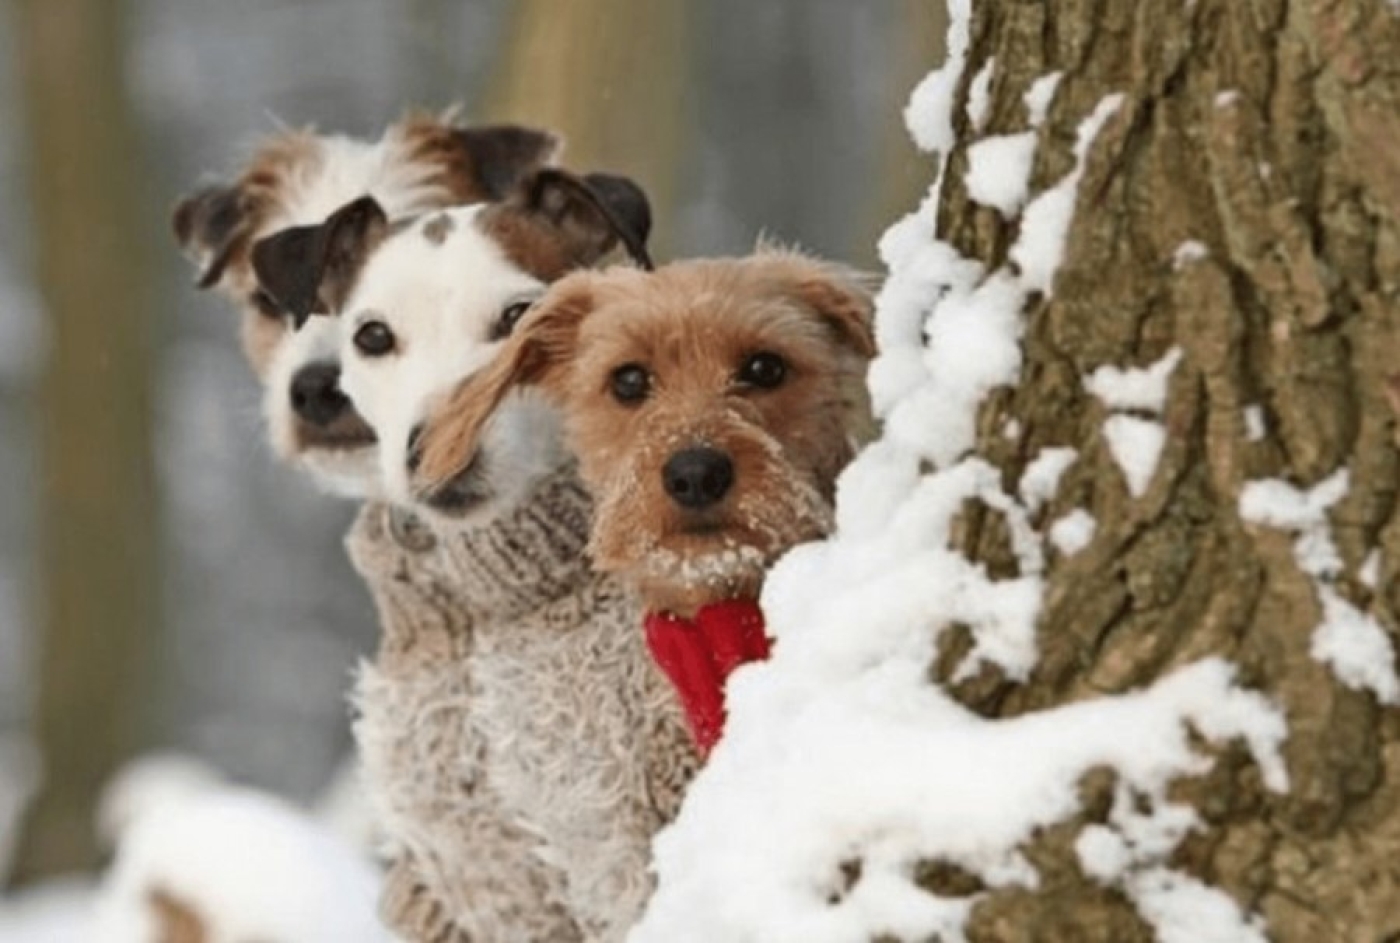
point(699, 654)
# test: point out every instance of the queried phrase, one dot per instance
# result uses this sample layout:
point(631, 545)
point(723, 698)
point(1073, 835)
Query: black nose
point(316, 395)
point(697, 478)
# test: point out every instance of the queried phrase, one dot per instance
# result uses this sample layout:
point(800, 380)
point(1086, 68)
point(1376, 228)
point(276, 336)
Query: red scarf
point(699, 654)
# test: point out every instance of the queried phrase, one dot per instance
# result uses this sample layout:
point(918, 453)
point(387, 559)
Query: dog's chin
point(345, 472)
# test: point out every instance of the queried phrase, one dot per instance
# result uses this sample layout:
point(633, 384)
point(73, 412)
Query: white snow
point(1352, 643)
point(1183, 910)
point(1045, 223)
point(1039, 96)
point(979, 95)
point(1042, 476)
point(929, 114)
point(1073, 532)
point(251, 866)
point(840, 749)
point(1192, 250)
point(58, 911)
point(1254, 427)
point(999, 170)
point(1370, 571)
point(1137, 388)
point(1136, 445)
point(1226, 98)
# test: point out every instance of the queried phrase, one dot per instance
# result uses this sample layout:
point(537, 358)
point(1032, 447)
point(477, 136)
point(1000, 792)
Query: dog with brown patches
point(298, 177)
point(520, 746)
point(711, 405)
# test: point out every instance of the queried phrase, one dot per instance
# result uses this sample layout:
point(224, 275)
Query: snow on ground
point(1355, 646)
point(842, 766)
point(247, 864)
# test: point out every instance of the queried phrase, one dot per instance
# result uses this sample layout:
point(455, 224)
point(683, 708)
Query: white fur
point(345, 170)
point(441, 301)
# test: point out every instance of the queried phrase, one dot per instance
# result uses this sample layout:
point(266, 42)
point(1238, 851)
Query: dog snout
point(699, 477)
point(316, 395)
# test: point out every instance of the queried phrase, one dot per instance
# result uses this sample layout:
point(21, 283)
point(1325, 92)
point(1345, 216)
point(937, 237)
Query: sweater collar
point(526, 557)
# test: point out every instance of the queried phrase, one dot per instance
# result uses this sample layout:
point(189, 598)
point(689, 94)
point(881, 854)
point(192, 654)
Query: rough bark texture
point(97, 489)
point(1269, 131)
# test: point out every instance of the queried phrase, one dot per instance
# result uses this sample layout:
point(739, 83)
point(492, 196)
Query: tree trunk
point(1243, 205)
point(97, 492)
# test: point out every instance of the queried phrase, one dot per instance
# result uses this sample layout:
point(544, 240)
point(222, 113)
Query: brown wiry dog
point(711, 404)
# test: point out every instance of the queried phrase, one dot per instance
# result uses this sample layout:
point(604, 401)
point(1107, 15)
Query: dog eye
point(267, 307)
point(630, 384)
point(374, 339)
point(510, 316)
point(763, 370)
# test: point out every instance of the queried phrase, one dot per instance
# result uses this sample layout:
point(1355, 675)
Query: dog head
point(426, 302)
point(299, 178)
point(710, 404)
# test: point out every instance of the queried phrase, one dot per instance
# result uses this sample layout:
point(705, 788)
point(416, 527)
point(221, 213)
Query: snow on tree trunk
point(1102, 649)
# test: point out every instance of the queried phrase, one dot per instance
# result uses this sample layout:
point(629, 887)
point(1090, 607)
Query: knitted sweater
point(518, 742)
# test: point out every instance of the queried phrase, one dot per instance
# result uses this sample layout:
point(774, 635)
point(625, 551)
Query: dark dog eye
point(763, 370)
point(374, 339)
point(510, 316)
point(266, 306)
point(630, 383)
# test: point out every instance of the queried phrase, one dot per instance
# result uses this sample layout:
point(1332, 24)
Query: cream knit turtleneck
point(518, 742)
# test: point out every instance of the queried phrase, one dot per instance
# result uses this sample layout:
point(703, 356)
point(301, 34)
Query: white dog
point(537, 721)
point(298, 178)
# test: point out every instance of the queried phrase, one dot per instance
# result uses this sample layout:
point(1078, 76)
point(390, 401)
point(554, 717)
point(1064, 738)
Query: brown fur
point(175, 921)
point(691, 324)
point(218, 225)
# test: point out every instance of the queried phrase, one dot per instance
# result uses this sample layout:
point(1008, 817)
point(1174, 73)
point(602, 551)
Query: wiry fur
point(690, 325)
point(296, 178)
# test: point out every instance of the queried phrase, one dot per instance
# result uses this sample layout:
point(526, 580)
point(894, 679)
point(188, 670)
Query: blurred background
point(163, 584)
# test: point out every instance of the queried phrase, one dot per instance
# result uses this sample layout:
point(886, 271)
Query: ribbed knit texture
point(519, 744)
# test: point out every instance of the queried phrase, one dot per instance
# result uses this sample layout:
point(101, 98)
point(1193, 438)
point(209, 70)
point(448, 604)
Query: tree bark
point(97, 493)
point(1269, 132)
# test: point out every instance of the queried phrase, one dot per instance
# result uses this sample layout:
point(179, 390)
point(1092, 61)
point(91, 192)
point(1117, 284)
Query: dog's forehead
point(438, 265)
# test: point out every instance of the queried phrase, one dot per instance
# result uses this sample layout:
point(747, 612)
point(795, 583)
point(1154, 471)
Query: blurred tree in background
point(98, 501)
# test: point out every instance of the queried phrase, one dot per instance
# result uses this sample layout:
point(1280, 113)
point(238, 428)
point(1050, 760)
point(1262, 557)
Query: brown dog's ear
point(535, 355)
point(497, 157)
point(311, 269)
point(837, 293)
point(592, 213)
point(210, 225)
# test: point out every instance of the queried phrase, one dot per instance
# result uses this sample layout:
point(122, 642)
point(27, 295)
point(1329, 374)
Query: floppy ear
point(211, 225)
point(311, 269)
point(592, 213)
point(542, 346)
point(837, 293)
point(497, 157)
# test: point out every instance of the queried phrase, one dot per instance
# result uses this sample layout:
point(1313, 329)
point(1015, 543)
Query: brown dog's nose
point(316, 395)
point(697, 478)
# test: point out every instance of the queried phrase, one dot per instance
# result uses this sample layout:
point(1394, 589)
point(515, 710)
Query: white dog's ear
point(211, 225)
point(311, 269)
point(495, 158)
point(585, 216)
